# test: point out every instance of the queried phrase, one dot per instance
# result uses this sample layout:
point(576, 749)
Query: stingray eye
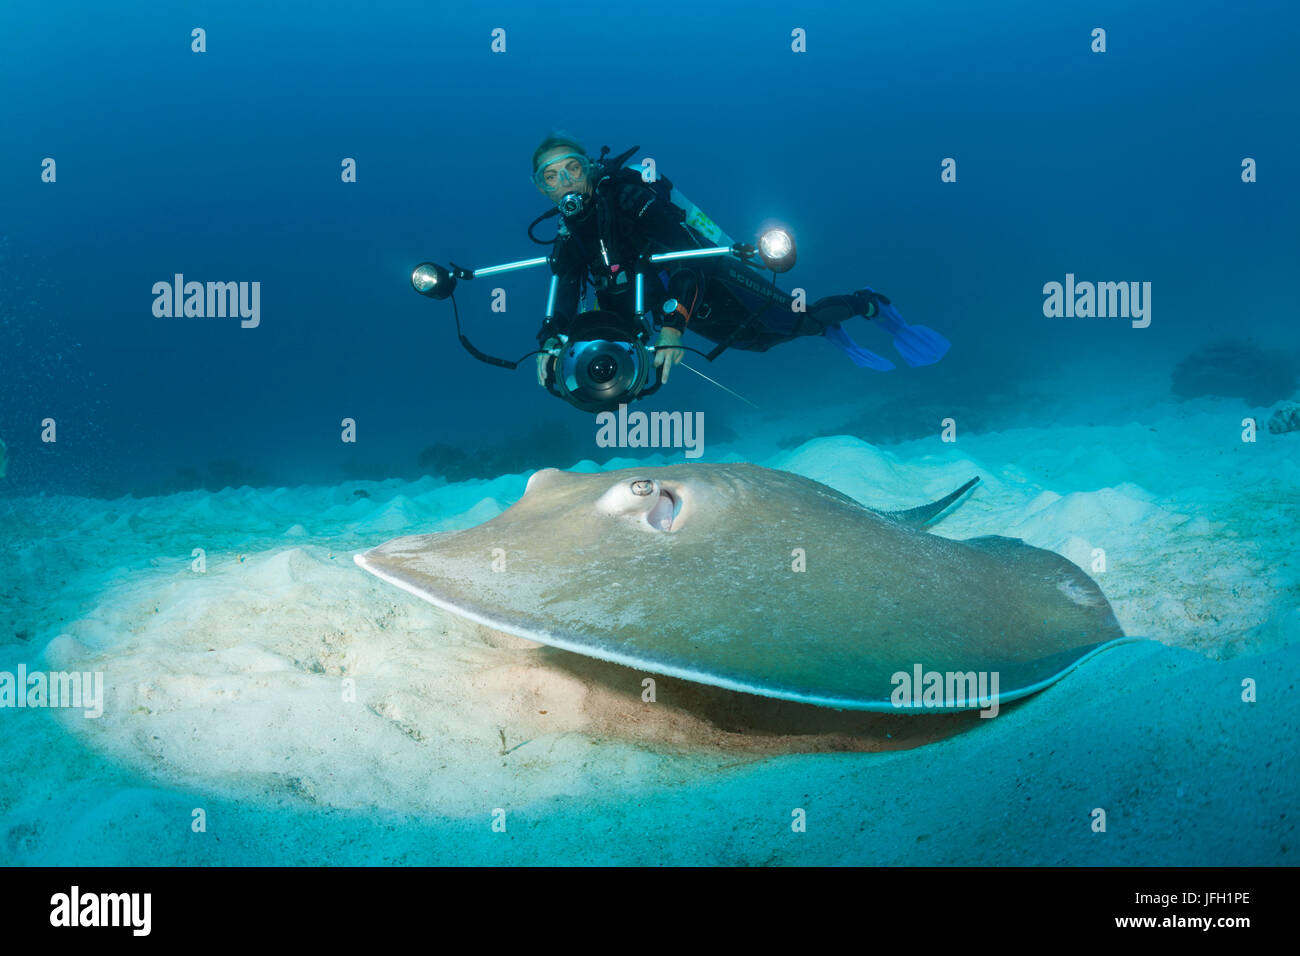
point(642, 487)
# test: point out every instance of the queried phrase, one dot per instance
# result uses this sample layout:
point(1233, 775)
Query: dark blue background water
point(225, 166)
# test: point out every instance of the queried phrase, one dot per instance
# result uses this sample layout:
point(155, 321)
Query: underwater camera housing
point(603, 363)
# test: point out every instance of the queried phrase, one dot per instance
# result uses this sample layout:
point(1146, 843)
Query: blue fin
point(862, 358)
point(917, 344)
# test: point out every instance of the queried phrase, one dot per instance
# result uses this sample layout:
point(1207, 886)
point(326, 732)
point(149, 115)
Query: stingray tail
point(926, 513)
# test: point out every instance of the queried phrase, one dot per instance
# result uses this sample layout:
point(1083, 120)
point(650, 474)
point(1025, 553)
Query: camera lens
point(602, 369)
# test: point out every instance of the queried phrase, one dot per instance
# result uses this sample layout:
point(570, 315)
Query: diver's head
point(561, 167)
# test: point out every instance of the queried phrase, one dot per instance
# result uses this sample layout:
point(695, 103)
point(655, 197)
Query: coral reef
point(1285, 419)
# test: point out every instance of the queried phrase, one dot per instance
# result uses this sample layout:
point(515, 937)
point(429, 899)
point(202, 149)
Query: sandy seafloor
point(224, 687)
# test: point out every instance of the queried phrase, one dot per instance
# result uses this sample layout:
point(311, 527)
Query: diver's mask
point(563, 174)
point(603, 364)
point(564, 177)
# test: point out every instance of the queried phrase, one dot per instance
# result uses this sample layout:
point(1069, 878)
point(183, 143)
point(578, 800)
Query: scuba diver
point(612, 218)
point(658, 266)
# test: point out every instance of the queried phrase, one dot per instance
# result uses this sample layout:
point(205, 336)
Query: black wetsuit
point(721, 298)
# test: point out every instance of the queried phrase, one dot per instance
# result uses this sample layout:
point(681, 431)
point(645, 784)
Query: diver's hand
point(668, 357)
point(544, 361)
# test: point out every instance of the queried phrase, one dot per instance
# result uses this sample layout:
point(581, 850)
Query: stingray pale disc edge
point(713, 680)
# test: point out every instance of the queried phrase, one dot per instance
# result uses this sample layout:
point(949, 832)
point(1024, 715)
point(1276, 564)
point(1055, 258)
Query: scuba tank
point(708, 231)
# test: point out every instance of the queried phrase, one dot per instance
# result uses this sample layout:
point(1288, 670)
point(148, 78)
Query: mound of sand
point(290, 675)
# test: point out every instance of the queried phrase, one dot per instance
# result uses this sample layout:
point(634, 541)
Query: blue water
point(225, 165)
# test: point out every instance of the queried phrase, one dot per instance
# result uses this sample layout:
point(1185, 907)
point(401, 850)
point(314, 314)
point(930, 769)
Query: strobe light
point(776, 249)
point(431, 279)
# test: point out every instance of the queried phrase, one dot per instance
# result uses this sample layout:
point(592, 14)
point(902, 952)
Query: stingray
point(759, 581)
